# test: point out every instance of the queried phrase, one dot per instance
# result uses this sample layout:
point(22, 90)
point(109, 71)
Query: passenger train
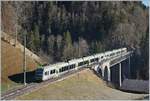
point(51, 71)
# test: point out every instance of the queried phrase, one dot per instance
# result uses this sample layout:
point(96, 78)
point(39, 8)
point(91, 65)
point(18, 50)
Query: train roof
point(76, 60)
point(89, 57)
point(56, 65)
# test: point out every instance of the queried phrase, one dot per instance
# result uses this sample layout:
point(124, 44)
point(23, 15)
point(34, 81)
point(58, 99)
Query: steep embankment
point(12, 63)
point(81, 86)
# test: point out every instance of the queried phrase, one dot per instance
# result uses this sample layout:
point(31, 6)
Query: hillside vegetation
point(63, 30)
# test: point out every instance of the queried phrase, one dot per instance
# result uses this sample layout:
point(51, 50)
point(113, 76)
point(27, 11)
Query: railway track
point(9, 95)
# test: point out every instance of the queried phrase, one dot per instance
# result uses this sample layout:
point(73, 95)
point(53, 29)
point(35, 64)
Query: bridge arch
point(100, 71)
point(106, 73)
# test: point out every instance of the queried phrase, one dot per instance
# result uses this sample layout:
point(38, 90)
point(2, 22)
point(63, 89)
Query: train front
point(39, 74)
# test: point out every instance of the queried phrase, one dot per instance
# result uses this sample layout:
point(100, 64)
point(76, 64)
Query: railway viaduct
point(114, 70)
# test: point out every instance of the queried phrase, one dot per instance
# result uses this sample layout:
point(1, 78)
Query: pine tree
point(36, 39)
point(31, 43)
point(55, 49)
point(68, 48)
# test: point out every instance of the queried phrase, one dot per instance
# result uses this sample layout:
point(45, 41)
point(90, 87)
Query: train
point(54, 70)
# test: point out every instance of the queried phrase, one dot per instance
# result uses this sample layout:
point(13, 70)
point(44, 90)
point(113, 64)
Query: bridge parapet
point(118, 59)
point(115, 60)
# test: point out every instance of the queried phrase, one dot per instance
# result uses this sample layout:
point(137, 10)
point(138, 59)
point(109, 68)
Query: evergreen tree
point(31, 43)
point(36, 39)
point(59, 47)
point(68, 48)
point(55, 49)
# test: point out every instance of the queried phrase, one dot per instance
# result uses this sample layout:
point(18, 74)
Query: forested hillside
point(63, 30)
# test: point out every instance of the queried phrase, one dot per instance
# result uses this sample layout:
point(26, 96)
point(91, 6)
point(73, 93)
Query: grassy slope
point(12, 63)
point(86, 85)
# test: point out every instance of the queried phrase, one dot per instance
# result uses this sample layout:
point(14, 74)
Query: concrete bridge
point(115, 69)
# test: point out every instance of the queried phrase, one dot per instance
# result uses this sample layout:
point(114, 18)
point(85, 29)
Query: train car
point(49, 71)
point(42, 73)
point(93, 59)
point(82, 62)
point(65, 67)
point(77, 62)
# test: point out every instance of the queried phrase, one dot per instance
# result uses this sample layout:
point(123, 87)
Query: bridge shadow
point(19, 78)
point(129, 91)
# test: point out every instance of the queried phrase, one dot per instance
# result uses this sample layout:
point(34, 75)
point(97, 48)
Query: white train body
point(55, 70)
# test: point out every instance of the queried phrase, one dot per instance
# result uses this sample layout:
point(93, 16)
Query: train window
point(83, 63)
point(96, 59)
point(72, 66)
point(80, 63)
point(118, 52)
point(67, 67)
point(86, 62)
point(92, 60)
point(60, 70)
point(46, 73)
point(64, 69)
point(52, 71)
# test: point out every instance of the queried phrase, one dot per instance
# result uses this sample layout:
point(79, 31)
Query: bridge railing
point(120, 58)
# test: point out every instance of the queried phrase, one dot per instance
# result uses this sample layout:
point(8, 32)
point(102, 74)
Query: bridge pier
point(129, 75)
point(109, 74)
point(103, 73)
point(120, 80)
